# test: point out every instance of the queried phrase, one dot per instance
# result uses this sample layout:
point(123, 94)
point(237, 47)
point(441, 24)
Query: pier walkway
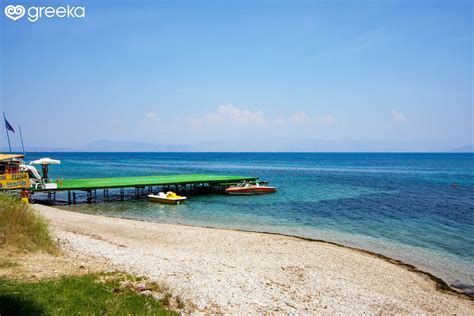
point(130, 182)
point(187, 182)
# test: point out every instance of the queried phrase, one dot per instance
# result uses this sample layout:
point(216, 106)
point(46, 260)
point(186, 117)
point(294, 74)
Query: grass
point(21, 228)
point(92, 294)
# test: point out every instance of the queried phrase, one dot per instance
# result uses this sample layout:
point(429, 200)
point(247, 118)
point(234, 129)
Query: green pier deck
point(130, 182)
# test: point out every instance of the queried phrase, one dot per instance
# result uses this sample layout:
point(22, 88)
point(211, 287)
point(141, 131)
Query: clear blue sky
point(191, 72)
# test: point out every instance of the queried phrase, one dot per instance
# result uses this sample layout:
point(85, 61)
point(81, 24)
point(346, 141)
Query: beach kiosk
point(12, 176)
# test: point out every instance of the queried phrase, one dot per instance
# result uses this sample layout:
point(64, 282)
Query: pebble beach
point(235, 272)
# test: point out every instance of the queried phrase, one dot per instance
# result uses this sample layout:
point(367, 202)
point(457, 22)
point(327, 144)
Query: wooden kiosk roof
point(10, 156)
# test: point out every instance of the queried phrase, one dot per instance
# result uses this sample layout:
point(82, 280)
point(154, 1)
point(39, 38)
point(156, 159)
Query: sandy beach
point(236, 272)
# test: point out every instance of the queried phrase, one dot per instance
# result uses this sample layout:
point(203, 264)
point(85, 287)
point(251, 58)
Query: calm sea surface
point(401, 205)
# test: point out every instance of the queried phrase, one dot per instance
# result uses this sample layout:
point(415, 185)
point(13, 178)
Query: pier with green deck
point(188, 183)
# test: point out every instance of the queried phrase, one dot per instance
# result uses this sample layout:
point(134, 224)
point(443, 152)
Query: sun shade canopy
point(10, 156)
point(45, 161)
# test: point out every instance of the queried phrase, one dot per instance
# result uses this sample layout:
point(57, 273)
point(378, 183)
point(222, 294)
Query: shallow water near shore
point(401, 205)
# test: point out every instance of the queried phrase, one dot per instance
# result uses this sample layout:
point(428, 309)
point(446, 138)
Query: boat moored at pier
point(168, 198)
point(246, 188)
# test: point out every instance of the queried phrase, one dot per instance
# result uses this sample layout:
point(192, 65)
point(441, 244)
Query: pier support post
point(68, 197)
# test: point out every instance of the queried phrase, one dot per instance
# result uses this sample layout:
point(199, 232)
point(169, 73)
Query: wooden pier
point(189, 184)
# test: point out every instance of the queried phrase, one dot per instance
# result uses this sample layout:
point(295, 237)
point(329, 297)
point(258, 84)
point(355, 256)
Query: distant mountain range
point(464, 149)
point(253, 145)
point(17, 149)
point(127, 146)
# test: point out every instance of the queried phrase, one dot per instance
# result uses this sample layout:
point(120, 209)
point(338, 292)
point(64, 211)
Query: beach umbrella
point(45, 161)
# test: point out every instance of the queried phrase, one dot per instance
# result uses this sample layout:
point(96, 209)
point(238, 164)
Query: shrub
point(23, 229)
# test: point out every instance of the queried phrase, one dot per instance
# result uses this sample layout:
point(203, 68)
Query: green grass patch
point(92, 294)
point(21, 228)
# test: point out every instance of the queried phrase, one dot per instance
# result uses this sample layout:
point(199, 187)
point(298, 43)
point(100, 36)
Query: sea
point(414, 207)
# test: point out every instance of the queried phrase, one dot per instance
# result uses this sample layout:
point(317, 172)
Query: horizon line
point(250, 152)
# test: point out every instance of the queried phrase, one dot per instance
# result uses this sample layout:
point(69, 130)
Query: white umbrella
point(45, 161)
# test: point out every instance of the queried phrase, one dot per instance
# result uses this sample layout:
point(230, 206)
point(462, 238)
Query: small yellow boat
point(168, 198)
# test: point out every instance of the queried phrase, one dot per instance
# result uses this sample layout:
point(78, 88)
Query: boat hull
point(157, 199)
point(250, 190)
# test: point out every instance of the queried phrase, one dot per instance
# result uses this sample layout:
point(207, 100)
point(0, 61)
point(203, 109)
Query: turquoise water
point(401, 205)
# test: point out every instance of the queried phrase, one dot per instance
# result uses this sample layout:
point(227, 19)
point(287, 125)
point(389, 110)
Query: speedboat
point(246, 188)
point(168, 198)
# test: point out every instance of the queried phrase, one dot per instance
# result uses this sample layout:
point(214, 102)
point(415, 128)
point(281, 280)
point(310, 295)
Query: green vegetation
point(92, 294)
point(21, 228)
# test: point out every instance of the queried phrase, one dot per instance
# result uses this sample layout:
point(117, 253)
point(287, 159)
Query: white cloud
point(229, 117)
point(280, 122)
point(326, 120)
point(303, 118)
point(300, 118)
point(398, 117)
point(227, 114)
point(152, 116)
point(243, 116)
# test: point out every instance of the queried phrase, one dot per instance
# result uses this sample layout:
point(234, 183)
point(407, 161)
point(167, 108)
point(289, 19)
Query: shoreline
point(353, 253)
point(441, 284)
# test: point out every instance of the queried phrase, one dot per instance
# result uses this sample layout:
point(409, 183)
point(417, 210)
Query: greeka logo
point(16, 12)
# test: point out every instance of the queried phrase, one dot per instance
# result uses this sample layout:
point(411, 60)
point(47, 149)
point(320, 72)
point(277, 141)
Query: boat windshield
point(243, 184)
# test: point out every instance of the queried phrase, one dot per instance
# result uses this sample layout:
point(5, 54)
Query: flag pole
point(21, 137)
point(6, 130)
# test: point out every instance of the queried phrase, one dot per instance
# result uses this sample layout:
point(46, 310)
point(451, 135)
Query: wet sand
point(237, 272)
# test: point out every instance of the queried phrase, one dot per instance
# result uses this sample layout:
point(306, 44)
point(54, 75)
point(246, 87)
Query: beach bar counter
point(11, 175)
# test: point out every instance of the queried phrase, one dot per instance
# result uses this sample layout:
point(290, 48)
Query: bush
point(21, 228)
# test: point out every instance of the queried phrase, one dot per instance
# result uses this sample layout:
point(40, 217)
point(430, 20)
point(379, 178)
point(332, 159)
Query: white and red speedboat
point(246, 188)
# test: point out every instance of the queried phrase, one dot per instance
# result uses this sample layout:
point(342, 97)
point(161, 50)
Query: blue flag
point(9, 127)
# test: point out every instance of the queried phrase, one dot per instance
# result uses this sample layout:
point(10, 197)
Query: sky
point(241, 75)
